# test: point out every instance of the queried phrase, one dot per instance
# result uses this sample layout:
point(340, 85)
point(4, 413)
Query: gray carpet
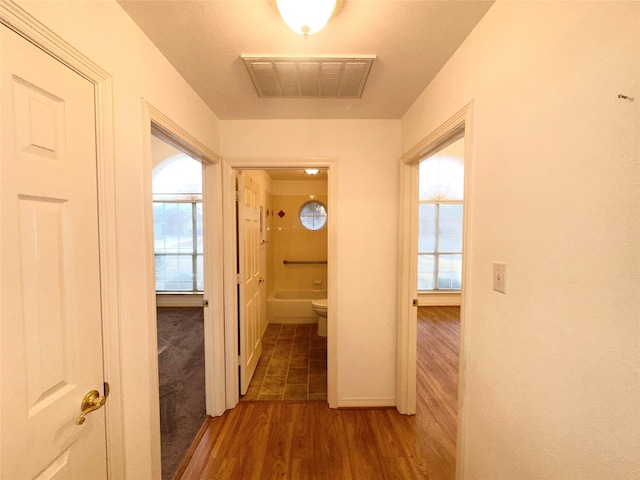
point(181, 375)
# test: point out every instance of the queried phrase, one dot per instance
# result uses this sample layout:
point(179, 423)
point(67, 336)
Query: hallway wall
point(552, 367)
point(103, 32)
point(366, 233)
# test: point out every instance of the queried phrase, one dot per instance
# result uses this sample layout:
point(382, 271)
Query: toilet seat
point(320, 304)
point(320, 308)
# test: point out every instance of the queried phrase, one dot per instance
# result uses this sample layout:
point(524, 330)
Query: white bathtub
point(293, 306)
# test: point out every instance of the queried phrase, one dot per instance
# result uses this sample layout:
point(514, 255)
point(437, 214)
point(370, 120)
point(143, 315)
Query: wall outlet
point(500, 277)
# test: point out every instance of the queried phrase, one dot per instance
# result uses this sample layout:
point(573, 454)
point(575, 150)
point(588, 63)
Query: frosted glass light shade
point(306, 17)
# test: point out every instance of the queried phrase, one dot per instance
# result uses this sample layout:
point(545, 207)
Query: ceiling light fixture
point(311, 171)
point(306, 17)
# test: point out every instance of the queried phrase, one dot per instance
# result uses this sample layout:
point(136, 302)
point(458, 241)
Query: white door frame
point(16, 19)
point(158, 124)
point(457, 126)
point(230, 255)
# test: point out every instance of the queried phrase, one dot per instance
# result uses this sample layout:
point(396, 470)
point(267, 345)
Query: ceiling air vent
point(317, 77)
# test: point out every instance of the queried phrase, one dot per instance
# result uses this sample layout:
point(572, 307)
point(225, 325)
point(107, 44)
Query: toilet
point(320, 309)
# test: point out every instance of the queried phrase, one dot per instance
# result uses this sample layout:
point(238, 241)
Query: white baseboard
point(178, 300)
point(366, 402)
point(439, 299)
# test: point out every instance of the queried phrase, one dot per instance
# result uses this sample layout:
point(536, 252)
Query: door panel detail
point(42, 247)
point(50, 295)
point(40, 121)
point(58, 469)
point(250, 290)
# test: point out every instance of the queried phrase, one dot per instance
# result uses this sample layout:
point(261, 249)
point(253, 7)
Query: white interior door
point(51, 340)
point(250, 278)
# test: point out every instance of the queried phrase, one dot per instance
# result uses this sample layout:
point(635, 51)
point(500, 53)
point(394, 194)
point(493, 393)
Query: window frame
point(326, 216)
point(167, 195)
point(436, 253)
point(194, 254)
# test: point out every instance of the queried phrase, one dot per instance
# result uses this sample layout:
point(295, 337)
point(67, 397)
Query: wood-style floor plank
point(287, 440)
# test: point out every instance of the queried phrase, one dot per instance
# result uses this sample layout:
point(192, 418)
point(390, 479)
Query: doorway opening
point(282, 266)
point(301, 263)
point(179, 280)
point(439, 284)
point(440, 233)
point(454, 129)
point(191, 225)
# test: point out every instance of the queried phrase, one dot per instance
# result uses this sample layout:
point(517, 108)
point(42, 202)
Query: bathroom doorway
point(303, 271)
point(282, 217)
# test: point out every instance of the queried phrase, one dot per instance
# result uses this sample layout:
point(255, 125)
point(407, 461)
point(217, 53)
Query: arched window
point(440, 221)
point(177, 222)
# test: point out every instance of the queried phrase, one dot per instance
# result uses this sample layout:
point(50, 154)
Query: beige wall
point(367, 204)
point(291, 241)
point(552, 366)
point(161, 150)
point(103, 32)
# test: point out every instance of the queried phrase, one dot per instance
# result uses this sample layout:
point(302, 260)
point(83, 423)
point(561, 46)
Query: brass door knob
point(92, 401)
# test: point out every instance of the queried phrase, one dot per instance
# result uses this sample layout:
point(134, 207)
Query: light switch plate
point(500, 277)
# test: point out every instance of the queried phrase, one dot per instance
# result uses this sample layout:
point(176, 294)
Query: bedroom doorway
point(179, 280)
point(192, 230)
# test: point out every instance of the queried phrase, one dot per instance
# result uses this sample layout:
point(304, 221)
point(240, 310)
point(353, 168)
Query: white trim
point(230, 255)
point(457, 126)
point(407, 291)
point(165, 128)
point(445, 134)
point(179, 300)
point(158, 124)
point(367, 403)
point(469, 136)
point(152, 410)
point(439, 299)
point(229, 342)
point(213, 290)
point(13, 17)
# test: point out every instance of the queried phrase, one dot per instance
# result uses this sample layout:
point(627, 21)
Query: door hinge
point(239, 360)
point(415, 302)
point(238, 279)
point(205, 303)
point(237, 196)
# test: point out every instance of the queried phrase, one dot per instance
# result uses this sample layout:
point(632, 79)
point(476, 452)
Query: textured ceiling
point(204, 39)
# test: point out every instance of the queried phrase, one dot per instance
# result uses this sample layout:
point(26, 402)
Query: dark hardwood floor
point(437, 384)
point(307, 440)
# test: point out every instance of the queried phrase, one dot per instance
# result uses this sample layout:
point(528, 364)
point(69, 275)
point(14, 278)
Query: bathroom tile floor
point(293, 365)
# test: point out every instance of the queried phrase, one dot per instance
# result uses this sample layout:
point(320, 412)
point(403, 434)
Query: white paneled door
point(50, 312)
point(250, 278)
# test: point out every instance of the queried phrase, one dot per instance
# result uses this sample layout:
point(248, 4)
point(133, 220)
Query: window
point(177, 222)
point(440, 222)
point(313, 215)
